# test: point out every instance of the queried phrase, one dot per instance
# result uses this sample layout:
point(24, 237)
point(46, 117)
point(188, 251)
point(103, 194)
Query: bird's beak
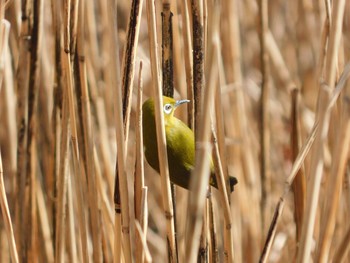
point(179, 102)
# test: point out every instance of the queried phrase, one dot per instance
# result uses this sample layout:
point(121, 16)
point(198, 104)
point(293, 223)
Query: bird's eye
point(167, 108)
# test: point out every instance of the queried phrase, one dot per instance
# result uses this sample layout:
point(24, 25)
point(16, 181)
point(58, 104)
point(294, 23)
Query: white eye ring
point(168, 108)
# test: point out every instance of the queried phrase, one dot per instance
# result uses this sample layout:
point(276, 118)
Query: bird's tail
point(233, 182)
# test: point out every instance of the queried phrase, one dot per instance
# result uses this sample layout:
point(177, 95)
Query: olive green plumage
point(180, 143)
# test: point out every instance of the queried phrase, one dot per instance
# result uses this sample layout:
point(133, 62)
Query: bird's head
point(170, 105)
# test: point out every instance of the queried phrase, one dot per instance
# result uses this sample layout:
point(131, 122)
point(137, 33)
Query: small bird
point(180, 143)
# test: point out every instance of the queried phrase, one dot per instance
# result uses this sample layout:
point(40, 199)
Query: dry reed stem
point(79, 172)
point(7, 217)
point(299, 183)
point(310, 140)
point(62, 183)
point(80, 190)
point(298, 162)
point(33, 87)
point(9, 99)
point(128, 74)
point(200, 176)
point(74, 12)
point(106, 206)
point(162, 153)
point(343, 249)
point(87, 154)
point(69, 123)
point(56, 111)
point(213, 243)
point(221, 176)
point(198, 59)
point(129, 61)
point(83, 99)
point(297, 43)
point(139, 166)
point(186, 35)
point(243, 155)
point(317, 160)
point(334, 41)
point(121, 221)
point(144, 210)
point(103, 136)
point(315, 177)
point(224, 200)
point(139, 171)
point(4, 33)
point(144, 217)
point(323, 50)
point(264, 111)
point(71, 240)
point(45, 225)
point(142, 237)
point(167, 50)
point(219, 116)
point(272, 230)
point(334, 183)
point(22, 75)
point(115, 82)
point(168, 80)
point(106, 212)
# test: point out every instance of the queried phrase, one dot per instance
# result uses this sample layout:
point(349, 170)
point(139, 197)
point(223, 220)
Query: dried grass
point(269, 77)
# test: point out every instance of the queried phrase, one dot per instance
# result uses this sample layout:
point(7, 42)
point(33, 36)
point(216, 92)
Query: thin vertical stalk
point(334, 183)
point(168, 79)
point(314, 134)
point(323, 117)
point(139, 170)
point(79, 175)
point(272, 230)
point(22, 76)
point(213, 242)
point(45, 225)
point(122, 221)
point(167, 50)
point(72, 240)
point(264, 111)
point(239, 125)
point(62, 183)
point(9, 99)
point(198, 55)
point(316, 176)
point(126, 88)
point(56, 111)
point(229, 255)
point(75, 7)
point(70, 107)
point(343, 249)
point(5, 211)
point(128, 61)
point(33, 88)
point(200, 176)
point(188, 61)
point(198, 58)
point(299, 183)
point(160, 129)
point(87, 146)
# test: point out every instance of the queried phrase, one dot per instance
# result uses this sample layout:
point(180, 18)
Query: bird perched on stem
point(180, 143)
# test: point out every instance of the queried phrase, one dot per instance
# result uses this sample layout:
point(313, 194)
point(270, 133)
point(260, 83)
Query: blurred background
point(60, 64)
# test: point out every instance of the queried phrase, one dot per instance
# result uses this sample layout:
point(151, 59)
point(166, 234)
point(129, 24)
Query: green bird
point(180, 143)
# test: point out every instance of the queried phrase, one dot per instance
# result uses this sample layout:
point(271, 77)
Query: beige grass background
point(276, 74)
